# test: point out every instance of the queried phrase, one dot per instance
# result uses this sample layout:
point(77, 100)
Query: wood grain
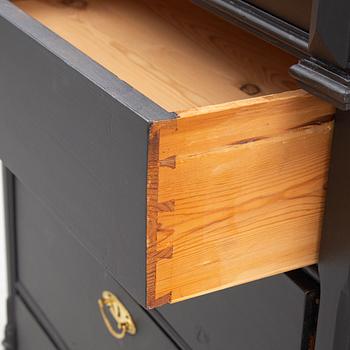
point(177, 54)
point(244, 198)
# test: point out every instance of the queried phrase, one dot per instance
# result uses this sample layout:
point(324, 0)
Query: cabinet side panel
point(333, 330)
point(82, 152)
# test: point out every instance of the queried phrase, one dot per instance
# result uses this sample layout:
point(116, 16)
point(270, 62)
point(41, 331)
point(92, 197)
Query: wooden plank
point(235, 193)
point(177, 54)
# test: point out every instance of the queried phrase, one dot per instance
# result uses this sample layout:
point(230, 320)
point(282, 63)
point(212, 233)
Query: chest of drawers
point(158, 153)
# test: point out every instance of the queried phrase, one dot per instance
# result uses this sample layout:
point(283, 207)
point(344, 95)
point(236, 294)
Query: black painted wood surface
point(334, 322)
point(30, 335)
point(267, 26)
point(77, 136)
point(273, 314)
point(295, 12)
point(330, 32)
point(66, 282)
point(9, 341)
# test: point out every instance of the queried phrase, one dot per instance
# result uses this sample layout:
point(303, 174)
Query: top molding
point(324, 53)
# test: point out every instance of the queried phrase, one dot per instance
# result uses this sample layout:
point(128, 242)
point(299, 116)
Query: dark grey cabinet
point(29, 334)
point(62, 283)
point(66, 282)
point(157, 152)
point(267, 314)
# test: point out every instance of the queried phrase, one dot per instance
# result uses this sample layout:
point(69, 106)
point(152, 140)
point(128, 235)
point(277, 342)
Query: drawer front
point(191, 202)
point(297, 12)
point(77, 136)
point(30, 335)
point(276, 313)
point(66, 283)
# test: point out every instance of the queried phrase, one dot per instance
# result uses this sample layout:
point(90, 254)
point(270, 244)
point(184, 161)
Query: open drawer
point(205, 170)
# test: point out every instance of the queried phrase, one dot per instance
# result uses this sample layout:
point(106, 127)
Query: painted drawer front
point(66, 282)
point(297, 12)
point(276, 313)
point(185, 191)
point(30, 335)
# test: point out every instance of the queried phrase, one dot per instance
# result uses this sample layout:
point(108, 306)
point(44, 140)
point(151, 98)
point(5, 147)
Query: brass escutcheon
point(120, 314)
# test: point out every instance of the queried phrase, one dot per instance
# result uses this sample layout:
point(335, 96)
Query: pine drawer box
point(175, 147)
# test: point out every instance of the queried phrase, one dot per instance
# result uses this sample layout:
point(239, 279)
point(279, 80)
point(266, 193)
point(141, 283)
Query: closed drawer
point(299, 15)
point(30, 336)
point(66, 283)
point(278, 312)
point(207, 169)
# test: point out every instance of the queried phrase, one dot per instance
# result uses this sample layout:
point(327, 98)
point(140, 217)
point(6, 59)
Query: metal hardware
point(119, 313)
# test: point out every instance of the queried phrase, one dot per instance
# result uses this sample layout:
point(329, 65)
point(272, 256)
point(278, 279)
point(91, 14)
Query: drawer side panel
point(236, 194)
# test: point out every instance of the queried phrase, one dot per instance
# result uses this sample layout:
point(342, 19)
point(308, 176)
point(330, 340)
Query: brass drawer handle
point(120, 314)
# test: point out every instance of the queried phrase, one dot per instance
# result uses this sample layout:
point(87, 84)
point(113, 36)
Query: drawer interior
point(173, 52)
